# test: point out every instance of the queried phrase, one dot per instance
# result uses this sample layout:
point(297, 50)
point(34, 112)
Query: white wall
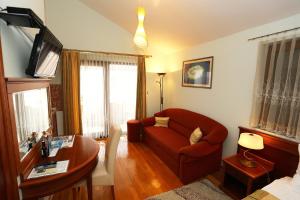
point(16, 46)
point(229, 100)
point(79, 27)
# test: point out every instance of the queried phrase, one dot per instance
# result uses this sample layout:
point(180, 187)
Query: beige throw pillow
point(195, 136)
point(161, 121)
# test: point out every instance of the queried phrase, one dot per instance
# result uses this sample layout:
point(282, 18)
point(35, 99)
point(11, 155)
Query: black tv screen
point(45, 54)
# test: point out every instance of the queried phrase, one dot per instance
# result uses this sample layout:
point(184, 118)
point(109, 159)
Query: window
point(122, 93)
point(31, 112)
point(276, 106)
point(92, 100)
point(108, 94)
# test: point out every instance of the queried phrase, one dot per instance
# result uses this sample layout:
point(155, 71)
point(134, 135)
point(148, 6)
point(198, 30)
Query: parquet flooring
point(139, 174)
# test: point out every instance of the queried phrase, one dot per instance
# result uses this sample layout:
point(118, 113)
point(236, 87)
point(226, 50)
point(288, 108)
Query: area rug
point(200, 190)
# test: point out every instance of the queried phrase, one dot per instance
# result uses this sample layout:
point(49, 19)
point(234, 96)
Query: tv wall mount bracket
point(23, 17)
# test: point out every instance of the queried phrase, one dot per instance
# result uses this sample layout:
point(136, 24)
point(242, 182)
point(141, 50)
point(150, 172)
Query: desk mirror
point(31, 117)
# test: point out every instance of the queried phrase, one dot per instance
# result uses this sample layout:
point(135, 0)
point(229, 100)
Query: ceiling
point(182, 23)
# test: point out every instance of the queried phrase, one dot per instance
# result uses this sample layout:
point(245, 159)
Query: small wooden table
point(247, 175)
point(83, 158)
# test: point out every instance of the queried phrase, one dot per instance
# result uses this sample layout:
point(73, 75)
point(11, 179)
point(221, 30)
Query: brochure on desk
point(61, 167)
point(61, 142)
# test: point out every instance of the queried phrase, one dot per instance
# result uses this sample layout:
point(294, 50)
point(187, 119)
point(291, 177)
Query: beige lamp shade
point(251, 141)
point(140, 37)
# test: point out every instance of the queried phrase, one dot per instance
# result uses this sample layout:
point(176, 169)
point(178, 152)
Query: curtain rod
point(287, 30)
point(109, 53)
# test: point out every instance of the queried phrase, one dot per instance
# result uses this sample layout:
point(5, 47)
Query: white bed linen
point(283, 189)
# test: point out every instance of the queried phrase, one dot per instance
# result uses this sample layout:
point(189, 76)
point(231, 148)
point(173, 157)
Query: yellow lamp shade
point(141, 13)
point(140, 38)
point(251, 141)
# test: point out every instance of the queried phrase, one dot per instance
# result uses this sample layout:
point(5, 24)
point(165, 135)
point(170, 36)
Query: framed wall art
point(197, 72)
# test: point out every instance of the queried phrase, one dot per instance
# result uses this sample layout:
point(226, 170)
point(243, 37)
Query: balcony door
point(108, 97)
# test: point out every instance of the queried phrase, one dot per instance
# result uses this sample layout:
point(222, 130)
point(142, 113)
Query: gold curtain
point(141, 89)
point(71, 92)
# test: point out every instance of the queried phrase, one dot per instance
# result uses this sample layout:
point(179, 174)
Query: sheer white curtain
point(276, 106)
point(122, 90)
point(31, 112)
point(108, 92)
point(92, 100)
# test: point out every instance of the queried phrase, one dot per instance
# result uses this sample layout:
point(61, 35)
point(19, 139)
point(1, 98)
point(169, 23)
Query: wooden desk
point(83, 158)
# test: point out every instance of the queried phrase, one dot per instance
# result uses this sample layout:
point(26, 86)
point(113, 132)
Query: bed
point(285, 155)
point(283, 189)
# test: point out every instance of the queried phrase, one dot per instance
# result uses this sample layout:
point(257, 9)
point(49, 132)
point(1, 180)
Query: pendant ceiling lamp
point(140, 38)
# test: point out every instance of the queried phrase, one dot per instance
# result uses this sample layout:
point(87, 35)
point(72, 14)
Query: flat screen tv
point(45, 55)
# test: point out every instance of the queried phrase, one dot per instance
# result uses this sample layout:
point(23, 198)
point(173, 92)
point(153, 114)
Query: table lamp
point(250, 141)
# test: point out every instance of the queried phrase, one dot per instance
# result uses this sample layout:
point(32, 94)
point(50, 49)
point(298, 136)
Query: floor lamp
point(161, 89)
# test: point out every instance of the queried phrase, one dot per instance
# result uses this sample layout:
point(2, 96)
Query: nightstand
point(251, 178)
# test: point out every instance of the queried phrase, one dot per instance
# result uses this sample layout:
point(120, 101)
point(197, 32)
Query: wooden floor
point(139, 174)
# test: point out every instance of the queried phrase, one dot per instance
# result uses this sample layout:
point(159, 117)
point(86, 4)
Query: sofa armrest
point(202, 148)
point(217, 135)
point(150, 121)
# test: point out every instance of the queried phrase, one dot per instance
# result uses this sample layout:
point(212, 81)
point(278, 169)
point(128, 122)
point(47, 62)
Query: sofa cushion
point(168, 139)
point(161, 121)
point(195, 136)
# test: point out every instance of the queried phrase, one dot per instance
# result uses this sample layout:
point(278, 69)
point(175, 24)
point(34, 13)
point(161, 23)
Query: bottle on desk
point(46, 144)
point(44, 150)
point(29, 143)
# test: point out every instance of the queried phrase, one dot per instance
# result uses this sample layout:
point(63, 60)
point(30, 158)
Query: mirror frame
point(18, 85)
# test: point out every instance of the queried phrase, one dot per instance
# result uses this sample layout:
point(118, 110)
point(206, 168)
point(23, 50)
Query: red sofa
point(188, 162)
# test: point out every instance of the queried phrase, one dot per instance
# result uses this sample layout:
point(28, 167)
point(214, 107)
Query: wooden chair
point(103, 174)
